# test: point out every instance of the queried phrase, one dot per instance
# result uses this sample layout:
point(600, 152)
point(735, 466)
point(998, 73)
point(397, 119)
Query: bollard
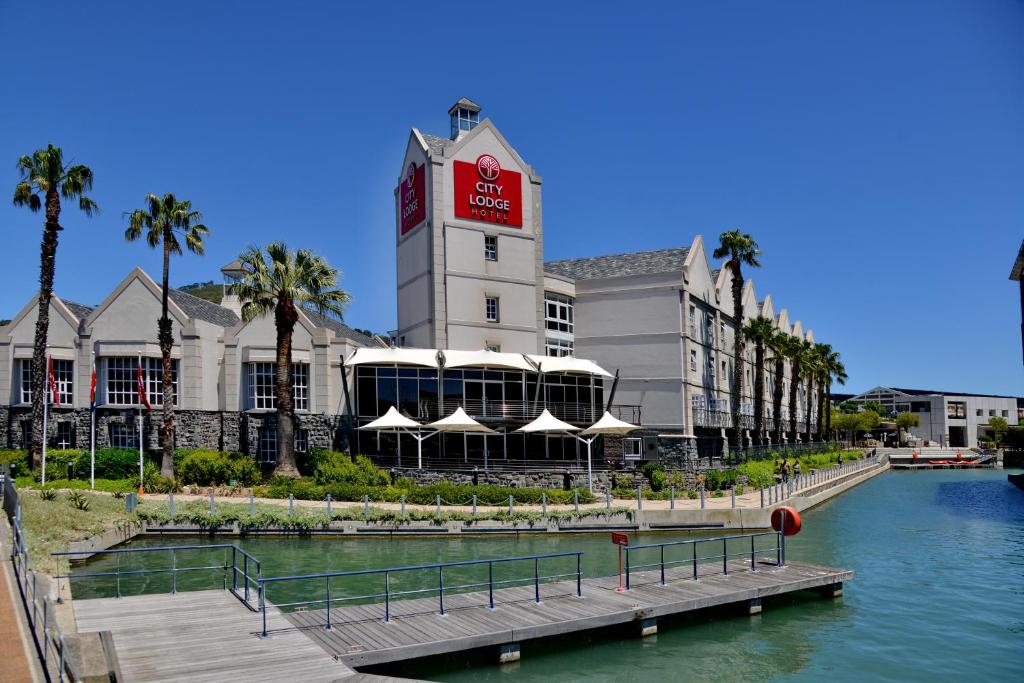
point(329, 506)
point(211, 503)
point(366, 506)
point(671, 497)
point(252, 504)
point(474, 504)
point(403, 505)
point(576, 500)
point(639, 498)
point(170, 504)
point(608, 499)
point(510, 503)
point(291, 504)
point(734, 497)
point(438, 501)
point(544, 503)
point(762, 496)
point(702, 496)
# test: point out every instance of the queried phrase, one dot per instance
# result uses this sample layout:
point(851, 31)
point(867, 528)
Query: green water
point(938, 594)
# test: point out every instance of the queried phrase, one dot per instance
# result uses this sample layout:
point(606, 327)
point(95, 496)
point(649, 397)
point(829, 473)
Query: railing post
point(212, 505)
point(544, 503)
point(576, 500)
point(782, 536)
point(330, 513)
point(60, 654)
point(579, 577)
point(694, 547)
point(387, 597)
point(627, 567)
point(490, 584)
point(437, 501)
point(174, 574)
point(252, 504)
point(662, 565)
point(639, 498)
point(263, 606)
point(725, 556)
point(536, 579)
point(291, 504)
point(672, 497)
point(234, 568)
point(608, 500)
point(702, 496)
point(328, 627)
point(474, 505)
point(440, 587)
point(734, 497)
point(510, 504)
point(753, 567)
point(170, 504)
point(245, 570)
point(762, 496)
point(403, 504)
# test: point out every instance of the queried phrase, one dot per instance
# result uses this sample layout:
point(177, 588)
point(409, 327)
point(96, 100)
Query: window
point(490, 248)
point(711, 367)
point(63, 373)
point(721, 337)
point(558, 312)
point(491, 306)
point(301, 440)
point(724, 373)
point(26, 434)
point(266, 447)
point(979, 412)
point(956, 410)
point(558, 347)
point(124, 435)
point(122, 380)
point(463, 120)
point(693, 360)
point(632, 448)
point(1005, 413)
point(65, 435)
point(262, 377)
point(991, 413)
point(493, 347)
point(693, 321)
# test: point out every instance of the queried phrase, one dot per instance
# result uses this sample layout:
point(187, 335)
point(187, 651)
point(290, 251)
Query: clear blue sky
point(874, 149)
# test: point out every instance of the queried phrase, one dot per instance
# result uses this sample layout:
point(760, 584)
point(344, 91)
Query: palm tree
point(835, 370)
point(779, 345)
point(162, 218)
point(795, 354)
point(288, 282)
point(759, 330)
point(43, 173)
point(739, 248)
point(809, 366)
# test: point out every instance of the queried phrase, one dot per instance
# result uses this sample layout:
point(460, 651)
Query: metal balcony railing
point(510, 411)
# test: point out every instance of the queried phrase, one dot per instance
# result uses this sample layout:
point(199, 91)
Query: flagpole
point(92, 424)
point(46, 403)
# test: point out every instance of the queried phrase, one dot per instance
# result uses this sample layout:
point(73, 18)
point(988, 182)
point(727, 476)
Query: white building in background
point(471, 275)
point(953, 419)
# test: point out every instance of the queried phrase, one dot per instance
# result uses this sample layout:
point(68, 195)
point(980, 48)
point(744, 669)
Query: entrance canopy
point(547, 423)
point(486, 359)
point(424, 358)
point(459, 421)
point(568, 364)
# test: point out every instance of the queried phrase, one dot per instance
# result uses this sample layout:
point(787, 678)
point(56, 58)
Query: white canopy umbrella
point(547, 422)
point(460, 422)
point(394, 421)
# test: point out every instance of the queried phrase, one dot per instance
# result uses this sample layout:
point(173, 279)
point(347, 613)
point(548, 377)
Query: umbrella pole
point(590, 474)
point(419, 452)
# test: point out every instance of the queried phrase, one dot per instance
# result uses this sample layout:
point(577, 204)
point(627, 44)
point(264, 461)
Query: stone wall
point(545, 479)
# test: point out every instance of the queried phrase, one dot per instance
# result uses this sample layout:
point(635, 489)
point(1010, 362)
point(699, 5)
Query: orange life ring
point(792, 520)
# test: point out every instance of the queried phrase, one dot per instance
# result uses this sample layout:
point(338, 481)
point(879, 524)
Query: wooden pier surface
point(211, 636)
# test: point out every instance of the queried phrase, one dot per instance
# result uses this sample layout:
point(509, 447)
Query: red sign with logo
point(484, 191)
point(620, 539)
point(412, 197)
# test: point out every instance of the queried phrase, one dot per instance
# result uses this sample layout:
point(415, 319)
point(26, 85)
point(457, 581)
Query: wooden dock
point(211, 636)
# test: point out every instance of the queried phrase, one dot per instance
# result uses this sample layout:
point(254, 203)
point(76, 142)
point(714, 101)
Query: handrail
point(389, 594)
point(779, 550)
point(238, 557)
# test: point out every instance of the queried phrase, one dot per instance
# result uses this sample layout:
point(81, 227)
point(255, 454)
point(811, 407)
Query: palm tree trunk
point(828, 414)
point(737, 361)
point(794, 383)
point(285, 317)
point(777, 398)
point(166, 339)
point(47, 266)
point(821, 408)
point(807, 413)
point(759, 391)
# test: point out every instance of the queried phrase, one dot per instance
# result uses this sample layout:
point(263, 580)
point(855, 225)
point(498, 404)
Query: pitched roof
point(339, 328)
point(436, 144)
point(80, 311)
point(1018, 266)
point(201, 309)
point(621, 265)
point(465, 103)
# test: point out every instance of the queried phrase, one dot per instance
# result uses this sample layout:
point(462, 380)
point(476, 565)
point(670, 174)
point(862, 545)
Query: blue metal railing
point(778, 550)
point(440, 589)
point(242, 566)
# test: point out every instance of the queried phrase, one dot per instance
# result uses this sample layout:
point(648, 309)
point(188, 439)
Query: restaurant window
point(301, 440)
point(65, 434)
point(491, 307)
point(490, 248)
point(558, 312)
point(122, 380)
point(63, 373)
point(632, 448)
point(124, 435)
point(262, 377)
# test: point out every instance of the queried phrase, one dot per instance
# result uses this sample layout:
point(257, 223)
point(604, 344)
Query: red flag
point(92, 391)
point(53, 381)
point(141, 388)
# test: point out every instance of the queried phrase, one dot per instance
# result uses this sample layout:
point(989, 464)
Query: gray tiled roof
point(436, 144)
point(621, 265)
point(80, 311)
point(339, 328)
point(201, 309)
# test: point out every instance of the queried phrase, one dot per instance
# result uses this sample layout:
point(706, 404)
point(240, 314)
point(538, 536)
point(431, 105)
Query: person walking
point(796, 470)
point(784, 470)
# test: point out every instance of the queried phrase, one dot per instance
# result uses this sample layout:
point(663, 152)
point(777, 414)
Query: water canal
point(939, 593)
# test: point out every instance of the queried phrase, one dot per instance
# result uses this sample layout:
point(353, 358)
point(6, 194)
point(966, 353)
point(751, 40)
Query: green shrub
point(716, 480)
point(111, 463)
point(649, 468)
point(623, 480)
point(153, 481)
point(759, 473)
point(216, 468)
point(78, 501)
point(333, 468)
point(15, 457)
point(48, 494)
point(677, 479)
point(658, 480)
point(692, 494)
